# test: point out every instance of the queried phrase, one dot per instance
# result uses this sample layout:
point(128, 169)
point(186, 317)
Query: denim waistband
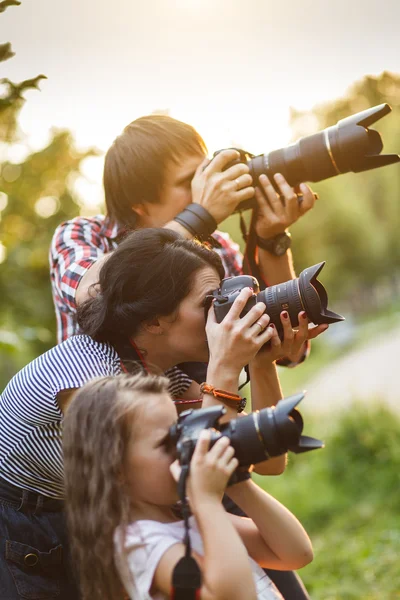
point(26, 500)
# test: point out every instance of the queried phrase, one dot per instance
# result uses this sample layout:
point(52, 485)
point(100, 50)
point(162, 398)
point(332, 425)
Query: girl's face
point(186, 329)
point(148, 460)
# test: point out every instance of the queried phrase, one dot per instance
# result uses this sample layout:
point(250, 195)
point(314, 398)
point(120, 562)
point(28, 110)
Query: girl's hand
point(210, 469)
point(235, 341)
point(293, 339)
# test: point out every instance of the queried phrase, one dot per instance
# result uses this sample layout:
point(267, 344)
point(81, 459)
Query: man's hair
point(148, 275)
point(135, 164)
point(97, 429)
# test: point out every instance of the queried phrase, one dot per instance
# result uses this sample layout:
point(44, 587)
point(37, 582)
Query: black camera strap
point(250, 265)
point(186, 576)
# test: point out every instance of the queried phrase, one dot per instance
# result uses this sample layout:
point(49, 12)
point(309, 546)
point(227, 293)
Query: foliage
point(35, 196)
point(346, 497)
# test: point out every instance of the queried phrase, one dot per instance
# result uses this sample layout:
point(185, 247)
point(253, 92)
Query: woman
point(153, 289)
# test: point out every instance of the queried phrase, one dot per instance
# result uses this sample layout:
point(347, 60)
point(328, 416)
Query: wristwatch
point(276, 245)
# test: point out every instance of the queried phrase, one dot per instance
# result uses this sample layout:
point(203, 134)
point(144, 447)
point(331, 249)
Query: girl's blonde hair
point(95, 439)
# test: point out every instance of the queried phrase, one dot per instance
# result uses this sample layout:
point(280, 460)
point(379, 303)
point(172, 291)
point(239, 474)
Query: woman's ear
point(155, 326)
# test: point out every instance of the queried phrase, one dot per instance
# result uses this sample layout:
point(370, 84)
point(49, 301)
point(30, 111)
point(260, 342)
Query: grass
point(347, 498)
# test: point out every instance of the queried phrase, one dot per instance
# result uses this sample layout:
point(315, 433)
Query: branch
point(6, 51)
point(6, 3)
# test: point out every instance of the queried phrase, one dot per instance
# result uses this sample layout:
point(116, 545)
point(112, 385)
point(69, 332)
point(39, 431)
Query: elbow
point(304, 559)
point(274, 466)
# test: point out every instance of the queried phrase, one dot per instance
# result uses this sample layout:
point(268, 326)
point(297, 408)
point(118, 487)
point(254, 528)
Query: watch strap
point(272, 244)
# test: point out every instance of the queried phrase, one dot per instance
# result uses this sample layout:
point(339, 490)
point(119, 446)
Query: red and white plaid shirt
point(78, 243)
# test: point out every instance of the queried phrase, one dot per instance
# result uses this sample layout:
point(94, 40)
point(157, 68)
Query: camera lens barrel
point(347, 146)
point(284, 296)
point(303, 294)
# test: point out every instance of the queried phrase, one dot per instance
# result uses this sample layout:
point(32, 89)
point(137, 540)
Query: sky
point(231, 68)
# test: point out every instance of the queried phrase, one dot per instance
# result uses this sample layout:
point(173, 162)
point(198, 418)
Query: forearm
point(175, 226)
point(276, 269)
point(226, 568)
point(222, 377)
point(265, 392)
point(265, 386)
point(278, 528)
point(86, 285)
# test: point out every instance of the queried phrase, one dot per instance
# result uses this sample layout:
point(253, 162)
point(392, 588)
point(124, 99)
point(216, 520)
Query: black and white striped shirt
point(31, 420)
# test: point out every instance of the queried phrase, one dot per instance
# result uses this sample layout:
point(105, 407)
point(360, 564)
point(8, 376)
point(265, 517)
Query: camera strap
point(250, 265)
point(186, 576)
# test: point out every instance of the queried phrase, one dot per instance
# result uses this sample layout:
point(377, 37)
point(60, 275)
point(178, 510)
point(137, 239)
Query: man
point(156, 175)
point(153, 171)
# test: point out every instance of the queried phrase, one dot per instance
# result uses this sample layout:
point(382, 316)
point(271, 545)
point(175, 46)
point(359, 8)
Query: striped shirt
point(30, 417)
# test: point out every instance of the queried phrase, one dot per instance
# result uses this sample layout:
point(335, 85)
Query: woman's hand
point(235, 341)
point(293, 339)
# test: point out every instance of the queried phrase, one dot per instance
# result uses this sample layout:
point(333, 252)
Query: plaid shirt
point(78, 243)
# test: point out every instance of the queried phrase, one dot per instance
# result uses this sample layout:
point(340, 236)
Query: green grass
point(347, 498)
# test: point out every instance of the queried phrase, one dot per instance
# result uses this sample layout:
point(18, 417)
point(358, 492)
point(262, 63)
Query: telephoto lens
point(348, 146)
point(303, 294)
point(255, 438)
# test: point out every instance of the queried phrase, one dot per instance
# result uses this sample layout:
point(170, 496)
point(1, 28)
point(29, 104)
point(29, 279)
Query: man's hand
point(218, 190)
point(276, 212)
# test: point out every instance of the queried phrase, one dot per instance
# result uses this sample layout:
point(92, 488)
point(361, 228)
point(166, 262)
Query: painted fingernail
point(303, 315)
point(285, 315)
point(272, 326)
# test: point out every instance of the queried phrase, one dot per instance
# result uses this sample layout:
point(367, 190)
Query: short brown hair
point(134, 165)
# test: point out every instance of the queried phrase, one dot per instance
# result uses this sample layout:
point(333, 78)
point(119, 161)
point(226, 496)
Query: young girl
point(121, 490)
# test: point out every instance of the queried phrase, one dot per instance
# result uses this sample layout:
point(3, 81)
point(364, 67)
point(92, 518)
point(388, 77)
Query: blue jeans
point(34, 556)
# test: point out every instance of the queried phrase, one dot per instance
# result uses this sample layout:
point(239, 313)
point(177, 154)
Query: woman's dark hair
point(148, 275)
point(135, 163)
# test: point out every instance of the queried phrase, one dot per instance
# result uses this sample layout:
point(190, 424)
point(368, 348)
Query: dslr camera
point(255, 438)
point(305, 293)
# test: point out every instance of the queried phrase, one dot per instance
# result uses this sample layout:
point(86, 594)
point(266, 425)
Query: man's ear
point(140, 209)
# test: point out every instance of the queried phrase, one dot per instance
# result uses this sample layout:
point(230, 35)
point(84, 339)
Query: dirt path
point(367, 373)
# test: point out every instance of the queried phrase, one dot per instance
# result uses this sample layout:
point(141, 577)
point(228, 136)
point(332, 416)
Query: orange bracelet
point(232, 400)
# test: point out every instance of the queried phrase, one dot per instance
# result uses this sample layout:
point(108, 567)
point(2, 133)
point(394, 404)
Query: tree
point(35, 196)
point(355, 225)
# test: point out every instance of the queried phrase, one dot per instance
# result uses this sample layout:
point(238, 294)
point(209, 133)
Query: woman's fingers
point(316, 331)
point(239, 304)
point(256, 313)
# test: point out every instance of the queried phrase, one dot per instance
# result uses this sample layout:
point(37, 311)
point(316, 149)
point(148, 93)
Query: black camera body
point(255, 438)
point(303, 294)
